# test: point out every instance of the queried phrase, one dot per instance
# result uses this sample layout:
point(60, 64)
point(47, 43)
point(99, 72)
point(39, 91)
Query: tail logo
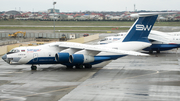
point(140, 27)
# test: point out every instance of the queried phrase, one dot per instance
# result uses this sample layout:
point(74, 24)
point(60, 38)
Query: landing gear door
point(35, 57)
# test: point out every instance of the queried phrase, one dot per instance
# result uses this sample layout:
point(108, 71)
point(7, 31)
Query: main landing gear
point(87, 66)
point(69, 67)
point(79, 66)
point(158, 51)
point(33, 67)
point(151, 51)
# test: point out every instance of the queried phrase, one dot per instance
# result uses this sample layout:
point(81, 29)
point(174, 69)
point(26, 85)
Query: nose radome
point(4, 57)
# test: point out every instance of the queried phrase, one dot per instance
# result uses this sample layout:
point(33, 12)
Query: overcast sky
point(89, 5)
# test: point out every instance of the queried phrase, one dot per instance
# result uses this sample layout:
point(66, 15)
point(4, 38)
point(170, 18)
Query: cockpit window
point(14, 51)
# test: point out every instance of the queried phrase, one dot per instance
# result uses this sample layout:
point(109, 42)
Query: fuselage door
point(35, 57)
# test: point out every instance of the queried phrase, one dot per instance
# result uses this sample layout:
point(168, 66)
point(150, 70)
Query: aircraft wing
point(98, 48)
point(159, 36)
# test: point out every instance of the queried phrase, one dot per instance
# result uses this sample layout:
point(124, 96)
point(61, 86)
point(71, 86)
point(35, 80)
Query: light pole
point(54, 14)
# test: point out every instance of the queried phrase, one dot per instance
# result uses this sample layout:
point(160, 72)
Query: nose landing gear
point(33, 67)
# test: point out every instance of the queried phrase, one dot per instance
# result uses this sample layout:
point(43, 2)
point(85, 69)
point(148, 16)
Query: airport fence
point(44, 35)
point(8, 41)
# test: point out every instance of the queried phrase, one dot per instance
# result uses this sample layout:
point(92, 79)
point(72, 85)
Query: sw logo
point(142, 27)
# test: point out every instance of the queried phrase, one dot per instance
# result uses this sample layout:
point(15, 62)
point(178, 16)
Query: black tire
point(158, 51)
point(88, 66)
point(69, 67)
point(151, 52)
point(79, 66)
point(33, 67)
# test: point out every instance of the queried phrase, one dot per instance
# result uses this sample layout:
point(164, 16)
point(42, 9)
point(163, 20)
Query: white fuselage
point(47, 52)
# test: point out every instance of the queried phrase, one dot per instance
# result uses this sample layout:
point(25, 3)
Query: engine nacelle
point(80, 59)
point(62, 57)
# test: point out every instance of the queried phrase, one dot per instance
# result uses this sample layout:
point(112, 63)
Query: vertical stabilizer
point(141, 28)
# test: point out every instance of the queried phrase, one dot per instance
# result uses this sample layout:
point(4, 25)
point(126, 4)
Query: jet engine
point(62, 57)
point(80, 58)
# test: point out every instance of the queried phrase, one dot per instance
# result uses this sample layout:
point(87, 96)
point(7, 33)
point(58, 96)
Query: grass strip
point(82, 23)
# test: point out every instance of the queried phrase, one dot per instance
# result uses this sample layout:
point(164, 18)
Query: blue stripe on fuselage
point(161, 47)
point(43, 60)
point(51, 60)
point(99, 59)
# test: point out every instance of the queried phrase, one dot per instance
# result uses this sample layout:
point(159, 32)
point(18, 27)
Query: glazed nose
point(4, 57)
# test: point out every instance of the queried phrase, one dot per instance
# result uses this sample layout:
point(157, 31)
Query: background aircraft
point(111, 39)
point(79, 55)
point(161, 41)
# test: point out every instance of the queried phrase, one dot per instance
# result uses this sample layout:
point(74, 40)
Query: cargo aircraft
point(161, 41)
point(82, 55)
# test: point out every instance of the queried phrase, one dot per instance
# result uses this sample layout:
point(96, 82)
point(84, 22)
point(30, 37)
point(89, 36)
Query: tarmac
point(131, 78)
point(154, 78)
point(48, 83)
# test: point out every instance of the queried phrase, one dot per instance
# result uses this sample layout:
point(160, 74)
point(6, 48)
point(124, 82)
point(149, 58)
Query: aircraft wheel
point(151, 51)
point(33, 67)
point(79, 66)
point(89, 66)
point(158, 51)
point(69, 67)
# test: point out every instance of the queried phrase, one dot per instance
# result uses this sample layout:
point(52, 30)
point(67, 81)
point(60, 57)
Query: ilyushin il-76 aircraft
point(82, 55)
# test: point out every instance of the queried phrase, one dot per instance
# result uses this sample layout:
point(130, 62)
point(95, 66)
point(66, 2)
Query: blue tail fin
point(141, 28)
